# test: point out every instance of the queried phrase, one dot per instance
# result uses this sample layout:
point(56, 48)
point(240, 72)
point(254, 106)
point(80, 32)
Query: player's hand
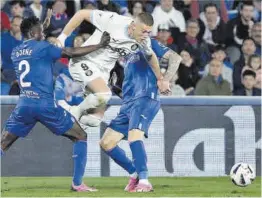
point(164, 87)
point(54, 41)
point(105, 39)
point(146, 47)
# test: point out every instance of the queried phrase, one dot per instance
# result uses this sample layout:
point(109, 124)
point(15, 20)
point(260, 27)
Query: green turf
point(113, 187)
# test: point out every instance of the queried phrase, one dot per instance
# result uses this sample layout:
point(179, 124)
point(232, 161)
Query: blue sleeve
point(76, 100)
point(158, 48)
point(54, 52)
point(59, 89)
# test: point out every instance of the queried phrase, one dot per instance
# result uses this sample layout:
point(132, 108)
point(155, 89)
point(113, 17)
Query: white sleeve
point(102, 19)
point(181, 22)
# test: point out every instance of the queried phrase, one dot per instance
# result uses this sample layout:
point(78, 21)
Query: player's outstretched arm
point(74, 22)
point(81, 51)
point(173, 64)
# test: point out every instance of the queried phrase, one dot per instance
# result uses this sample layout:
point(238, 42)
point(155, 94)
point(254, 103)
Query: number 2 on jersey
point(23, 74)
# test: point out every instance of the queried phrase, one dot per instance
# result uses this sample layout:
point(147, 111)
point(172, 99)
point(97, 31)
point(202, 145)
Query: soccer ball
point(242, 174)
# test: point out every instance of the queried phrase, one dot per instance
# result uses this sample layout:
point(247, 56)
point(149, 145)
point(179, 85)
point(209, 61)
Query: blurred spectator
point(59, 18)
point(257, 11)
point(254, 64)
point(164, 36)
point(248, 49)
point(227, 69)
point(256, 35)
point(5, 23)
point(116, 79)
point(189, 40)
point(212, 27)
point(136, 7)
point(238, 29)
point(38, 10)
point(123, 6)
point(9, 40)
point(213, 84)
point(249, 81)
point(87, 28)
point(108, 5)
point(167, 14)
point(122, 3)
point(18, 8)
point(184, 6)
point(187, 73)
point(90, 4)
point(220, 4)
point(78, 41)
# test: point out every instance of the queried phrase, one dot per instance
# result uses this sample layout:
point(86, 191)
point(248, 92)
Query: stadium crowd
point(219, 40)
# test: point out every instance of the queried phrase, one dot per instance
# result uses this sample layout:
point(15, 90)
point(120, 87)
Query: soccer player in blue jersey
point(140, 105)
point(33, 61)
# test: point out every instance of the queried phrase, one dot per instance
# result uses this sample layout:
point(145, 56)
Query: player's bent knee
point(91, 120)
point(76, 133)
point(107, 143)
point(110, 139)
point(135, 134)
point(103, 97)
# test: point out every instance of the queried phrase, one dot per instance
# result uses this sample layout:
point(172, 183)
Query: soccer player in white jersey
point(128, 36)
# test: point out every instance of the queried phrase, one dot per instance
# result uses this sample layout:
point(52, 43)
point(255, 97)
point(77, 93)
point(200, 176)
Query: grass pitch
point(113, 187)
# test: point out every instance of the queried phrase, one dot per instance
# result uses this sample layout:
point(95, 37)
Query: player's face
point(37, 32)
point(141, 32)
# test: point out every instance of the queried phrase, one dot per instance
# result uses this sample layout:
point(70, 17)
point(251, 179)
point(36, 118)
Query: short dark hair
point(249, 72)
point(219, 48)
point(248, 38)
point(28, 23)
point(192, 21)
point(146, 18)
point(16, 17)
point(20, 2)
point(246, 3)
point(210, 5)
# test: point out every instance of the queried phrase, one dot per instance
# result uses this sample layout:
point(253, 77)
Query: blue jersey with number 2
point(33, 61)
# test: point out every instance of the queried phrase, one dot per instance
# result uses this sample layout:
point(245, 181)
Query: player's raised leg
point(91, 81)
